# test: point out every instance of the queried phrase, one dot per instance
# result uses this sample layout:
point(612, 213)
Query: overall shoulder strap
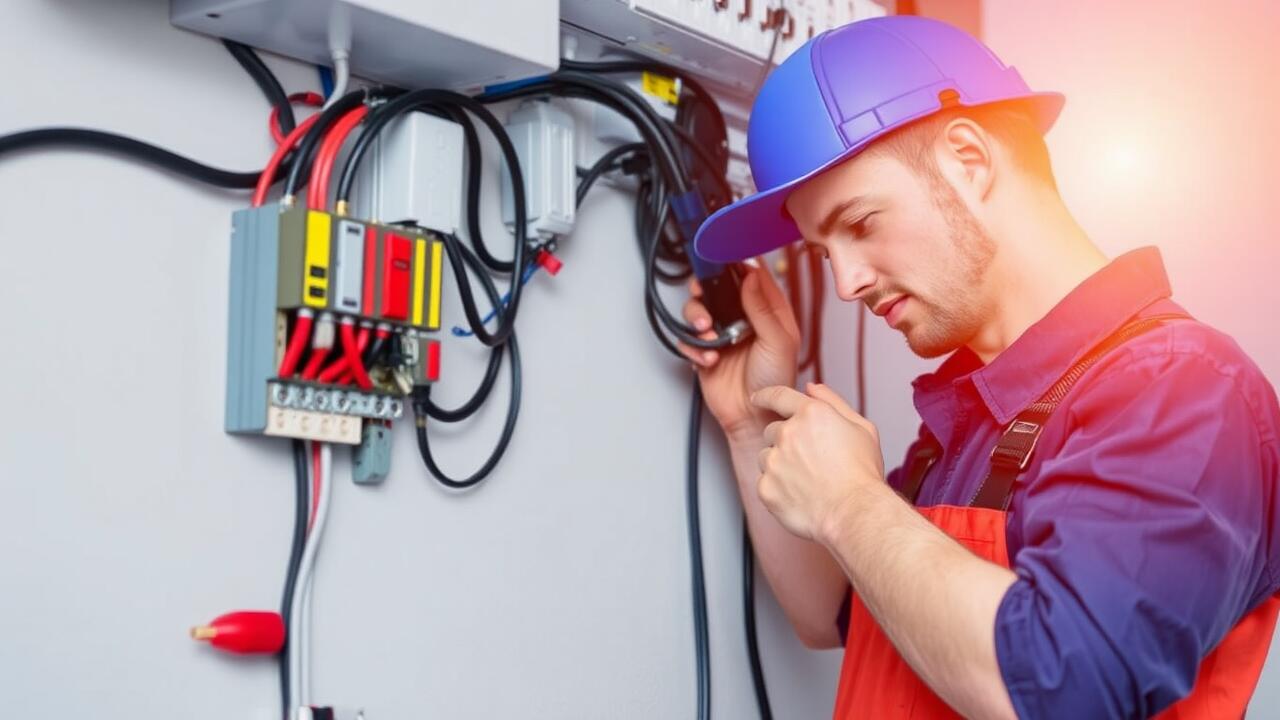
point(1013, 451)
point(924, 452)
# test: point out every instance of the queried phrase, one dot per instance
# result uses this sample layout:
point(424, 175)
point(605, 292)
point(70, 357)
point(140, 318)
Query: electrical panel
point(408, 43)
point(291, 263)
point(726, 43)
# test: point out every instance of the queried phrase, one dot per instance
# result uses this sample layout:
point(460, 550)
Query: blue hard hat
point(837, 94)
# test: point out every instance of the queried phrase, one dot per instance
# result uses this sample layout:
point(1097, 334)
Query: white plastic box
point(414, 173)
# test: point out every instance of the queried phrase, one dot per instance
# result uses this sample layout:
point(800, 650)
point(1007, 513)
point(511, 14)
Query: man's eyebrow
point(824, 227)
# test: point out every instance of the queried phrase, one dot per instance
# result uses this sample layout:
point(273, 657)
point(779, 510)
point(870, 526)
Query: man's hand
point(768, 357)
point(816, 460)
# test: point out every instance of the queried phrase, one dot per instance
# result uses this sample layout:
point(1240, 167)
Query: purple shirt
point(1145, 526)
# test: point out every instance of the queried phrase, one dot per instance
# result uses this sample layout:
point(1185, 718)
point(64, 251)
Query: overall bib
point(875, 682)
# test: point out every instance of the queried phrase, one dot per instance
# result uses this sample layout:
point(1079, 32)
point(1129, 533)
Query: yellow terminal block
point(315, 272)
point(419, 278)
point(437, 267)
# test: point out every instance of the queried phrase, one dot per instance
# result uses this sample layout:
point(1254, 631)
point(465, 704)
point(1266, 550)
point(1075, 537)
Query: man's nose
point(853, 277)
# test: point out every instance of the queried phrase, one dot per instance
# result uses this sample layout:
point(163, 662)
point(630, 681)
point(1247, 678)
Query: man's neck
point(1044, 255)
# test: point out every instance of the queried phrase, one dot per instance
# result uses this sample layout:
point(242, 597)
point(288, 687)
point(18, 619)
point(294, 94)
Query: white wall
point(559, 590)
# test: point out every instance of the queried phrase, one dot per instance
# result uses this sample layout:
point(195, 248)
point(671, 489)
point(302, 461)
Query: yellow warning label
point(662, 87)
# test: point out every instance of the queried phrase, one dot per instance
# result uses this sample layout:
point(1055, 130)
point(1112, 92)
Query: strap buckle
point(1017, 444)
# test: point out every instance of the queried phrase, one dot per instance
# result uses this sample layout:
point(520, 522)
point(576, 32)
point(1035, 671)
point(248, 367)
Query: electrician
point(1095, 480)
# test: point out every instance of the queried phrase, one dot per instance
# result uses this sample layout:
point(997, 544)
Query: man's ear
point(966, 156)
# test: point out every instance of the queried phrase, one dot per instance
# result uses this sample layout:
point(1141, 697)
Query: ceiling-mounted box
point(409, 43)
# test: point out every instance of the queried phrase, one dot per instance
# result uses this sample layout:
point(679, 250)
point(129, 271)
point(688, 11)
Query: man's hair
point(1009, 122)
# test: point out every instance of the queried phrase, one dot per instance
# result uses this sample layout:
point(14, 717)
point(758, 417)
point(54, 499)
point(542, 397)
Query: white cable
point(300, 611)
point(341, 75)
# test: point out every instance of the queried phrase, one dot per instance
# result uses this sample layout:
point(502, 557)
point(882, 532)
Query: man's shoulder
point(1184, 356)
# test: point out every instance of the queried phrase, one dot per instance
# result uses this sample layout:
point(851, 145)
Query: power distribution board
point(358, 299)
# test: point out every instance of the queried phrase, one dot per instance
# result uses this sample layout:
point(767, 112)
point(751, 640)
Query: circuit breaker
point(292, 268)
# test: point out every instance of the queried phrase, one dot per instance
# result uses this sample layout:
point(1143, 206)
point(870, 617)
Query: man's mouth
point(892, 309)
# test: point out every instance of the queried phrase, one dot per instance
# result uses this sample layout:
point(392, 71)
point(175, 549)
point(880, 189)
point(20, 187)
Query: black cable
point(307, 146)
point(301, 503)
point(603, 165)
point(513, 408)
point(640, 112)
point(682, 331)
point(688, 80)
point(473, 155)
point(468, 408)
point(702, 155)
point(702, 644)
point(266, 81)
point(130, 148)
point(749, 624)
point(653, 129)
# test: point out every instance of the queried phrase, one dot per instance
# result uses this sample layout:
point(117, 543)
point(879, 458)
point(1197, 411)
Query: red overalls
point(875, 682)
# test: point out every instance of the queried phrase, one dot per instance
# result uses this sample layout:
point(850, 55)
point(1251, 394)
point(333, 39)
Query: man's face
point(903, 241)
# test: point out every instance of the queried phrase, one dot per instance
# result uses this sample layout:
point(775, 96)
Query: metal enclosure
point(402, 42)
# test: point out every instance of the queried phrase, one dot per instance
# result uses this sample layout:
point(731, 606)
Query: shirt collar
point(1095, 309)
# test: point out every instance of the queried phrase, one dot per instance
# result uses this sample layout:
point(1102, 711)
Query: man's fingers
point(695, 313)
point(830, 397)
point(778, 301)
point(695, 289)
point(700, 357)
point(780, 399)
point(771, 431)
point(770, 319)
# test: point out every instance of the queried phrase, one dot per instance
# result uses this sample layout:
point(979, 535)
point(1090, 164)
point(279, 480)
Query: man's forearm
point(935, 600)
point(805, 579)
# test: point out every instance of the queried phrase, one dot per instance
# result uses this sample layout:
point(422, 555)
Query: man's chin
point(928, 347)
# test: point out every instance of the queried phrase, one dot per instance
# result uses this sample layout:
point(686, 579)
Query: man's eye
point(861, 227)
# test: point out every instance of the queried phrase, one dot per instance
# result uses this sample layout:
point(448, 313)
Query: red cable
point(302, 98)
point(268, 175)
point(316, 482)
point(352, 351)
point(297, 343)
point(339, 369)
point(362, 341)
point(314, 362)
point(318, 192)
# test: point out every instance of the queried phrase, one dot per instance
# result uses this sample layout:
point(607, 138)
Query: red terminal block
point(397, 260)
point(245, 632)
point(549, 262)
point(433, 361)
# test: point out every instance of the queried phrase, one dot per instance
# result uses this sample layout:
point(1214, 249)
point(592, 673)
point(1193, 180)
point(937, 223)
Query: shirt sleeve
point(1143, 542)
